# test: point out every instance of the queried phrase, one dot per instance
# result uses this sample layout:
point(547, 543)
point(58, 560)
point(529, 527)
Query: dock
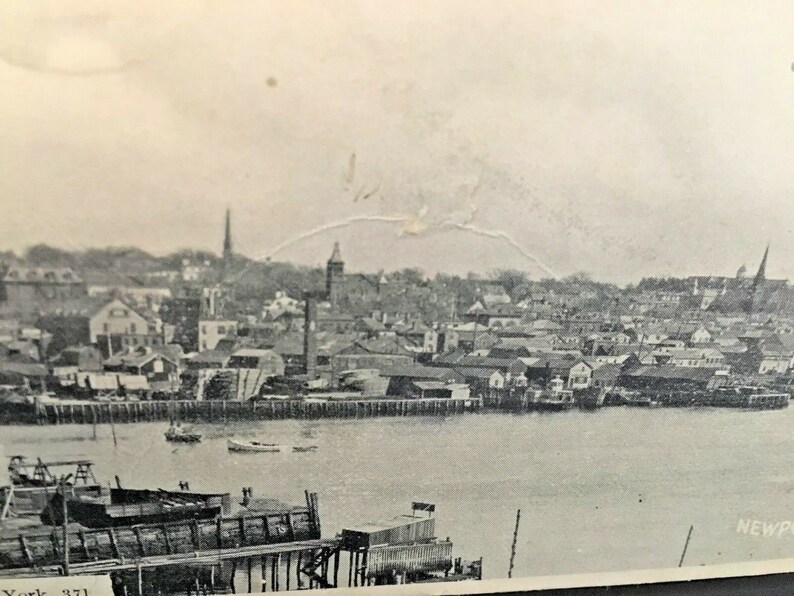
point(224, 410)
point(250, 551)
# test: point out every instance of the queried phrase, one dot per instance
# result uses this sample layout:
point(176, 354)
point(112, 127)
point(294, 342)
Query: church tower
point(228, 252)
point(335, 277)
point(227, 238)
point(758, 281)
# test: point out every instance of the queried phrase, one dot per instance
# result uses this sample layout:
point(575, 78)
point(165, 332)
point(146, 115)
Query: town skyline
point(748, 268)
point(625, 145)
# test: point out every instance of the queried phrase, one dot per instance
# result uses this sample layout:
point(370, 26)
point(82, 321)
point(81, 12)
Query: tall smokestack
point(310, 335)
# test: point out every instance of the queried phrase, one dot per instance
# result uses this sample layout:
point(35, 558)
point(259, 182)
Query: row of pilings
point(222, 410)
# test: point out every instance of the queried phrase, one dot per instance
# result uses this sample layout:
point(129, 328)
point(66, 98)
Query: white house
point(211, 331)
point(581, 375)
point(117, 317)
point(690, 357)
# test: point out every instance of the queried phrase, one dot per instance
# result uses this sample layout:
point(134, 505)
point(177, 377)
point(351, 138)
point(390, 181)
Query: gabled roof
point(210, 357)
point(22, 369)
point(479, 373)
point(87, 306)
point(450, 358)
point(484, 362)
point(418, 371)
point(607, 372)
point(559, 361)
point(540, 343)
point(371, 325)
point(786, 340)
point(591, 364)
point(499, 310)
point(414, 327)
point(72, 355)
point(138, 358)
point(690, 353)
point(384, 345)
point(431, 385)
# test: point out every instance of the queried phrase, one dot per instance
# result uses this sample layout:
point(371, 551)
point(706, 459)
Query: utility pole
point(65, 512)
point(513, 548)
point(686, 544)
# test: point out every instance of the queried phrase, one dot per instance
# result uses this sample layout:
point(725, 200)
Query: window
point(221, 330)
point(132, 327)
point(157, 366)
point(105, 327)
point(204, 330)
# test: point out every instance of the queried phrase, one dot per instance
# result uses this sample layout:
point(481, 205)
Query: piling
point(209, 411)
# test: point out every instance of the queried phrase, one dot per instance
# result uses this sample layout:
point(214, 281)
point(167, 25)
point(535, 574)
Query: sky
point(623, 139)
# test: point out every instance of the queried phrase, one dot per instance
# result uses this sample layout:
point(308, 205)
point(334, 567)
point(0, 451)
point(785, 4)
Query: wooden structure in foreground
point(222, 410)
point(251, 552)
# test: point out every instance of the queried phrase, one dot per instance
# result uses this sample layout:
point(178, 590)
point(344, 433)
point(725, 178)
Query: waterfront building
point(159, 366)
point(580, 375)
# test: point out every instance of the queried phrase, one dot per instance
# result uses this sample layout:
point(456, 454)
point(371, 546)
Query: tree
point(43, 254)
point(510, 279)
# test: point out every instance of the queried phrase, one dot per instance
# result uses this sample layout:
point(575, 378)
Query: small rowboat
point(252, 446)
point(304, 448)
point(183, 437)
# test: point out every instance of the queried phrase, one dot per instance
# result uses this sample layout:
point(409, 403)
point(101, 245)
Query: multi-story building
point(32, 289)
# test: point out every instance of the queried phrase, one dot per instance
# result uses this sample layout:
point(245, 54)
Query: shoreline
point(126, 412)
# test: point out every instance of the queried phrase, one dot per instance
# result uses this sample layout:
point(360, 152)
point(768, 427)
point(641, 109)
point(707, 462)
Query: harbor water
point(606, 490)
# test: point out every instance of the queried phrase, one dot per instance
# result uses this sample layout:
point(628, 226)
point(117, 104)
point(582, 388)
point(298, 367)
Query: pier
point(223, 410)
point(250, 551)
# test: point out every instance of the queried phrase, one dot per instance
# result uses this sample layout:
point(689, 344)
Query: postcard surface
point(300, 295)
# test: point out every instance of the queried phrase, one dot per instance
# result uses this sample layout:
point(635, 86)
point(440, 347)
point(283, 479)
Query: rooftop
point(50, 275)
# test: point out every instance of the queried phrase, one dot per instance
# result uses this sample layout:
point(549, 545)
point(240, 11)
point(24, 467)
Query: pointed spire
point(761, 275)
point(336, 255)
point(227, 239)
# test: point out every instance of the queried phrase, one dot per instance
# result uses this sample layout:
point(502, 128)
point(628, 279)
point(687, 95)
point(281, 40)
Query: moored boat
point(130, 507)
point(553, 398)
point(183, 438)
point(304, 448)
point(252, 446)
point(633, 398)
point(175, 434)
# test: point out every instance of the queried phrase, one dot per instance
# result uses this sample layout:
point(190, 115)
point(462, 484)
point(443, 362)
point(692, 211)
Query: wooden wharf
point(223, 410)
point(245, 553)
point(716, 399)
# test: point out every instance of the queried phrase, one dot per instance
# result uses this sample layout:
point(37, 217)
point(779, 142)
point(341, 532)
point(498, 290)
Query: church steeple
point(227, 239)
point(761, 275)
point(335, 276)
point(758, 281)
